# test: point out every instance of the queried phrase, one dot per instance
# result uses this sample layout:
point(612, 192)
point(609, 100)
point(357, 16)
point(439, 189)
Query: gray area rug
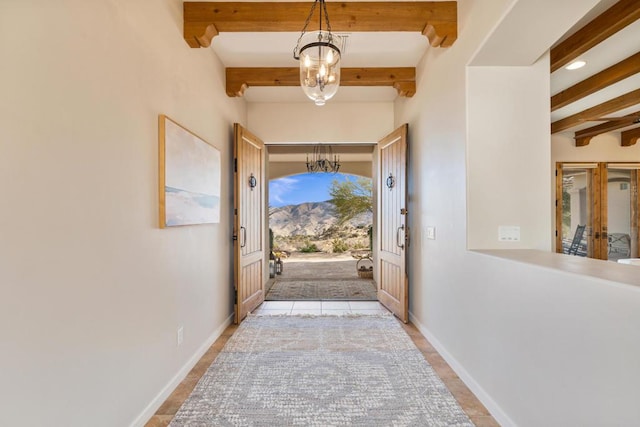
point(320, 371)
point(330, 289)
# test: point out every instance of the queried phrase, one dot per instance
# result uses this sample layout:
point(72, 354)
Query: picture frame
point(189, 176)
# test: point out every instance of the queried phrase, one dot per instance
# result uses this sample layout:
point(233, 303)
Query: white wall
point(508, 149)
point(539, 346)
point(92, 291)
point(603, 148)
point(334, 122)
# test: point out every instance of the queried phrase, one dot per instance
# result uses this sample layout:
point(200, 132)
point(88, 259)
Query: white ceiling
point(616, 48)
point(388, 49)
point(371, 49)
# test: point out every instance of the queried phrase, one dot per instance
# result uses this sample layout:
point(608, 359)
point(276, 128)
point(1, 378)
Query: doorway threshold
point(319, 308)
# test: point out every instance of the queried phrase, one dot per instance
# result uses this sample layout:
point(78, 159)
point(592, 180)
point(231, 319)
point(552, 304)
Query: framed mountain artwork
point(189, 178)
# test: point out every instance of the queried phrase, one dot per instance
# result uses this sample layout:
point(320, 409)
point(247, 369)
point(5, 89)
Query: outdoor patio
point(321, 276)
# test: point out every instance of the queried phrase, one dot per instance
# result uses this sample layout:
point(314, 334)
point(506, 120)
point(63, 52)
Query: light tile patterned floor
point(467, 400)
point(337, 308)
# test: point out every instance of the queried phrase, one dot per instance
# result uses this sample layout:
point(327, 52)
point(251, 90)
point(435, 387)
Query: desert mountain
point(311, 219)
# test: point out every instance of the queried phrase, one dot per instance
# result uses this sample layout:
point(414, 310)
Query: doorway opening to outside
point(320, 238)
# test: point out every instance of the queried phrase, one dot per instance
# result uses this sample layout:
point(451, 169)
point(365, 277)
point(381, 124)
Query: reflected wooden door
point(393, 285)
point(249, 191)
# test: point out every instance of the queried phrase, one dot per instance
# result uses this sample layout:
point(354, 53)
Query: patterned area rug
point(331, 289)
point(320, 371)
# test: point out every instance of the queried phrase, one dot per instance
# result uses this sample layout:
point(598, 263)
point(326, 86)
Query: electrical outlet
point(180, 335)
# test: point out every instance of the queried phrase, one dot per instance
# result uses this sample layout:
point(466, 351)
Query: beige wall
point(603, 148)
point(282, 169)
point(92, 291)
point(306, 122)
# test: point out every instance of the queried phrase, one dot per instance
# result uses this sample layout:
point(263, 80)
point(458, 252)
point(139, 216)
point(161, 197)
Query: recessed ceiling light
point(575, 65)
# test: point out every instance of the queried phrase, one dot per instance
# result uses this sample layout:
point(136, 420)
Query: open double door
point(249, 230)
point(598, 210)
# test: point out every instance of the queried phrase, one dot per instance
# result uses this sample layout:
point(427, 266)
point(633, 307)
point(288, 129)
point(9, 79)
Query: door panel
point(576, 216)
point(393, 290)
point(622, 210)
point(597, 210)
point(248, 233)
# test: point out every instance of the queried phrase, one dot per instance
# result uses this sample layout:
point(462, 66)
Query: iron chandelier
point(321, 160)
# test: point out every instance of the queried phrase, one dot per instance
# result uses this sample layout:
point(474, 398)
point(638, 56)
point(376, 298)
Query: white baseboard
point(152, 407)
point(493, 408)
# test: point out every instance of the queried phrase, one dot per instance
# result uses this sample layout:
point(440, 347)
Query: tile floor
point(320, 307)
point(467, 400)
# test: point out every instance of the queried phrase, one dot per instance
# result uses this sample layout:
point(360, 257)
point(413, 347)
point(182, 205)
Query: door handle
point(243, 237)
point(399, 236)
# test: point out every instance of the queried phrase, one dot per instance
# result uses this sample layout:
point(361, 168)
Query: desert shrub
point(360, 245)
point(309, 247)
point(339, 245)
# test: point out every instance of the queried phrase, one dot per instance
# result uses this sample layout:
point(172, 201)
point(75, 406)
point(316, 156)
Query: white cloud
point(280, 188)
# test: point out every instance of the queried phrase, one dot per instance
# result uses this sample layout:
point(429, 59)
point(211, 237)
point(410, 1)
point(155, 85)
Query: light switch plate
point(509, 233)
point(431, 233)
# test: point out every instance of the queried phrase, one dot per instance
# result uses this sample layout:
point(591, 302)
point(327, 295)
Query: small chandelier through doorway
point(319, 58)
point(321, 160)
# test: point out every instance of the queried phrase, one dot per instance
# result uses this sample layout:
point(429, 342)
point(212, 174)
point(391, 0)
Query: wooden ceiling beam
point(436, 20)
point(584, 136)
point(605, 25)
point(630, 137)
point(611, 75)
point(403, 79)
point(623, 101)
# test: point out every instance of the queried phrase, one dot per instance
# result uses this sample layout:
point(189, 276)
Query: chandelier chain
point(326, 18)
point(304, 30)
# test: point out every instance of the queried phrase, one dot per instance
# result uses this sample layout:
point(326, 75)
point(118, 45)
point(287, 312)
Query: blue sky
point(306, 187)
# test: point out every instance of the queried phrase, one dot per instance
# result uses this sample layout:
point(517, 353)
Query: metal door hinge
point(403, 211)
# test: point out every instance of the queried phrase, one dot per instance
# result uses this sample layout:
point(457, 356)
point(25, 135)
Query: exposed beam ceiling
point(403, 79)
point(584, 136)
point(611, 75)
point(623, 101)
point(610, 22)
point(205, 20)
point(630, 137)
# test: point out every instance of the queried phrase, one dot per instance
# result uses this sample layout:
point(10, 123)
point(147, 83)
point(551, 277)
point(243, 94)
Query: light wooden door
point(603, 197)
point(579, 209)
point(248, 229)
point(393, 285)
